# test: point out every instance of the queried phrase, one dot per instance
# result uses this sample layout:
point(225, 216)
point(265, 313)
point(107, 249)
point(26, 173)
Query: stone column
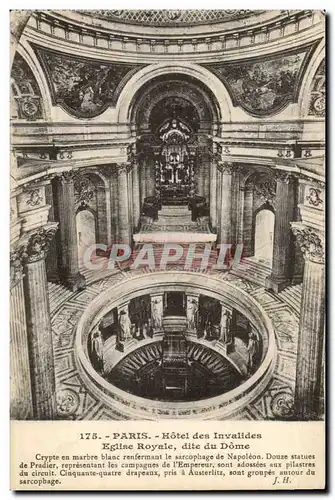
point(311, 326)
point(136, 197)
point(283, 244)
point(218, 201)
point(237, 205)
point(225, 219)
point(157, 312)
point(143, 179)
point(123, 204)
point(21, 406)
point(212, 196)
point(192, 312)
point(36, 245)
point(68, 244)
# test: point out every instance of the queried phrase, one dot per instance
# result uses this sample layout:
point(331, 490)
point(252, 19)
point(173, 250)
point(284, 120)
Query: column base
point(276, 284)
point(74, 283)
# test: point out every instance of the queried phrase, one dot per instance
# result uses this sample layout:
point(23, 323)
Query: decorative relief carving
point(266, 190)
point(84, 191)
point(317, 104)
point(263, 86)
point(36, 244)
point(34, 198)
point(313, 197)
point(67, 402)
point(282, 405)
point(16, 266)
point(84, 87)
point(25, 90)
point(158, 17)
point(310, 244)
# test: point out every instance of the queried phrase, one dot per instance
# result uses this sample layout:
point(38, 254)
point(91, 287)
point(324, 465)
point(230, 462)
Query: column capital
point(123, 168)
point(67, 176)
point(225, 167)
point(36, 243)
point(311, 242)
point(283, 176)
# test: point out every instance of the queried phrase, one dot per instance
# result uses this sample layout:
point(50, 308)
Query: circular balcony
point(233, 398)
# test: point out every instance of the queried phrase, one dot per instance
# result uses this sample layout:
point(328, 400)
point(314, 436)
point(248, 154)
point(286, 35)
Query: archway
point(174, 117)
point(86, 231)
point(263, 236)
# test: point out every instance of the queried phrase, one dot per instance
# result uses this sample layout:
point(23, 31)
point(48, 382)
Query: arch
point(304, 96)
point(100, 206)
point(187, 89)
point(262, 232)
point(215, 86)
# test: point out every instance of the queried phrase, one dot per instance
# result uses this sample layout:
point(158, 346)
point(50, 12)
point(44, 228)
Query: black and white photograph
point(167, 215)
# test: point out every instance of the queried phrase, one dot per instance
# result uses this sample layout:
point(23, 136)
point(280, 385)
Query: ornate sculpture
point(34, 198)
point(16, 266)
point(157, 312)
point(36, 243)
point(192, 313)
point(124, 324)
point(313, 197)
point(310, 244)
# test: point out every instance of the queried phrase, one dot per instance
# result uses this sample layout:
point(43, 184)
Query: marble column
point(68, 244)
point(21, 406)
point(38, 322)
point(280, 276)
point(225, 219)
point(192, 312)
point(309, 371)
point(123, 204)
point(218, 201)
point(212, 196)
point(143, 180)
point(157, 312)
point(136, 197)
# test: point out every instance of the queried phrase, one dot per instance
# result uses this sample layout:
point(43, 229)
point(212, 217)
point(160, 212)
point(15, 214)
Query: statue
point(157, 312)
point(225, 334)
point(252, 349)
point(125, 325)
point(98, 351)
point(192, 314)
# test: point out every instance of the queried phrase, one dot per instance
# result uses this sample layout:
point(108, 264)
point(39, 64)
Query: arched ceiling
point(175, 94)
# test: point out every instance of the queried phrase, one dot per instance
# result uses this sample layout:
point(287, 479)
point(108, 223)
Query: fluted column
point(136, 197)
point(225, 218)
point(283, 244)
point(21, 407)
point(38, 322)
point(212, 196)
point(311, 326)
point(68, 248)
point(123, 204)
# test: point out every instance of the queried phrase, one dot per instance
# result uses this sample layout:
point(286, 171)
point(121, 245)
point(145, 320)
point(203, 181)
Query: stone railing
point(134, 407)
point(271, 30)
